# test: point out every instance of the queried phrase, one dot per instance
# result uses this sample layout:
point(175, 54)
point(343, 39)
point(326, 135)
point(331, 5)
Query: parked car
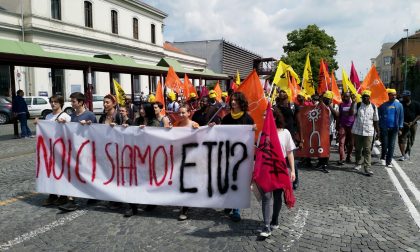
point(6, 113)
point(38, 106)
point(98, 105)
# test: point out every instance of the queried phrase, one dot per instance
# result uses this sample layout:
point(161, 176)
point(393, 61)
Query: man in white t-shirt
point(57, 114)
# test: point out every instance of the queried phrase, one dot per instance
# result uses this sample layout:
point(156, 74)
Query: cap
point(406, 93)
point(367, 92)
point(391, 91)
point(152, 98)
point(358, 98)
point(328, 94)
point(193, 95)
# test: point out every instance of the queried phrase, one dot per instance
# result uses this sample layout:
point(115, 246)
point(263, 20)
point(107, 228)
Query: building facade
point(383, 63)
point(95, 27)
point(403, 47)
point(221, 55)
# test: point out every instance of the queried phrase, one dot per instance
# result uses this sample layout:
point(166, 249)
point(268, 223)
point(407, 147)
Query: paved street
point(339, 211)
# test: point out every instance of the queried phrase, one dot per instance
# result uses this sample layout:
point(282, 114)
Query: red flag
point(159, 96)
point(172, 81)
point(252, 89)
point(270, 169)
point(218, 91)
point(204, 91)
point(354, 78)
point(324, 79)
point(335, 90)
point(233, 86)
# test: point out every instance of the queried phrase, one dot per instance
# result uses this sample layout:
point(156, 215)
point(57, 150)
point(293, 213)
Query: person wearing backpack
point(391, 123)
point(364, 127)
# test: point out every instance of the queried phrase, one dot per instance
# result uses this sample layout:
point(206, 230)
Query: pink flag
point(204, 91)
point(354, 78)
point(270, 170)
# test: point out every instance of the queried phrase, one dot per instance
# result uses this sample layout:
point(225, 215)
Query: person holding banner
point(125, 119)
point(147, 116)
point(238, 115)
point(185, 121)
point(163, 119)
point(287, 146)
point(84, 117)
point(58, 115)
point(206, 113)
point(111, 116)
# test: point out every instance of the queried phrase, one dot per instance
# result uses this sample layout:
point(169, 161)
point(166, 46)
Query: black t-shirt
point(203, 116)
point(289, 119)
point(411, 111)
point(245, 119)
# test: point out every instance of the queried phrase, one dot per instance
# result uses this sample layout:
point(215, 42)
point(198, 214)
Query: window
point(39, 101)
point(88, 14)
point(135, 28)
point(153, 33)
point(387, 60)
point(114, 21)
point(56, 9)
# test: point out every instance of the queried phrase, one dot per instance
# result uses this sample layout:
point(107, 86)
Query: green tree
point(310, 40)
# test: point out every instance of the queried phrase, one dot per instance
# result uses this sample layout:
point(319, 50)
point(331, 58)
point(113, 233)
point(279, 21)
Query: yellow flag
point(119, 93)
point(281, 76)
point(347, 85)
point(274, 94)
point(238, 78)
point(308, 81)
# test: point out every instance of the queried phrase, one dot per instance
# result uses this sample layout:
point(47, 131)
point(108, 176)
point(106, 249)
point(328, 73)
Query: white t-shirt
point(52, 117)
point(286, 142)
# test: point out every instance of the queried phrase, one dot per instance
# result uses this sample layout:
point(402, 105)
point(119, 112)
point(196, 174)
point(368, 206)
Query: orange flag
point(335, 90)
point(374, 83)
point(294, 89)
point(324, 79)
point(188, 87)
point(252, 89)
point(172, 81)
point(159, 96)
point(218, 91)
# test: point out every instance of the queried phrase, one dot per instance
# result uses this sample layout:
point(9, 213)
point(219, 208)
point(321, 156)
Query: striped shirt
point(363, 122)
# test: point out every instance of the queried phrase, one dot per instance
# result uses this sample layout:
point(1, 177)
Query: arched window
point(88, 14)
point(114, 21)
point(153, 33)
point(135, 28)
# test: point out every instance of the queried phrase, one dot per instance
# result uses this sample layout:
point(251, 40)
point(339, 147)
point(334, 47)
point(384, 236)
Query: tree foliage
point(310, 40)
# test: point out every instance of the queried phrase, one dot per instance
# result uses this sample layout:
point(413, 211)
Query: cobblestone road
point(339, 211)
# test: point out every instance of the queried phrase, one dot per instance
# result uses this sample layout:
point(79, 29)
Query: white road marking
point(297, 229)
point(411, 208)
point(27, 236)
point(407, 180)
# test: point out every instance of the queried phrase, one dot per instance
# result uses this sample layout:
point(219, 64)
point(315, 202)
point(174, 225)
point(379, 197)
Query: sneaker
point(235, 216)
point(369, 173)
point(402, 158)
point(348, 160)
point(383, 162)
point(341, 162)
point(50, 200)
point(357, 167)
point(324, 169)
point(32, 136)
point(69, 207)
point(389, 165)
point(61, 201)
point(182, 214)
point(266, 232)
point(407, 156)
point(274, 227)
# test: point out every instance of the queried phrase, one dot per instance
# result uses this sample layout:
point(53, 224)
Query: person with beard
point(411, 116)
point(205, 113)
point(192, 101)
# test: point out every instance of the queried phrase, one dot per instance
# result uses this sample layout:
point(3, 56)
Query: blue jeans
point(25, 131)
point(388, 137)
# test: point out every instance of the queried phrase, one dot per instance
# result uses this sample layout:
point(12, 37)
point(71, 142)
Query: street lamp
point(406, 55)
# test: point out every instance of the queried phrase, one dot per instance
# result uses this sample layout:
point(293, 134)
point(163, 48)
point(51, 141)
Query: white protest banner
point(205, 167)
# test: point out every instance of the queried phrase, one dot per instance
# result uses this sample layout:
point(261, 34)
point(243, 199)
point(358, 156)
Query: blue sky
point(360, 27)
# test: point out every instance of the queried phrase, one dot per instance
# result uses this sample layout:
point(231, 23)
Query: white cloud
point(360, 27)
